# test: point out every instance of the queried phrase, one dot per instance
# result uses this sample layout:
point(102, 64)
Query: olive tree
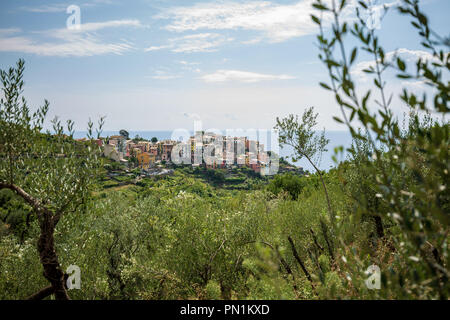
point(306, 142)
point(52, 172)
point(408, 172)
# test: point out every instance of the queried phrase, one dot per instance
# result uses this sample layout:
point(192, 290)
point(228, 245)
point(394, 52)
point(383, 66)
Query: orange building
point(146, 160)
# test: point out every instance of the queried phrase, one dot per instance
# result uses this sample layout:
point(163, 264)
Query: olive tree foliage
point(300, 134)
point(408, 172)
point(52, 172)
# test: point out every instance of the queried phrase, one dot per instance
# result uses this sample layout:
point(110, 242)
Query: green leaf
point(315, 19)
point(353, 55)
point(401, 64)
point(320, 7)
point(324, 85)
point(338, 120)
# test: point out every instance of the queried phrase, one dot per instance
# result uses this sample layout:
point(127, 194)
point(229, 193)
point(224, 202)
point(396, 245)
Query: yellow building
point(146, 160)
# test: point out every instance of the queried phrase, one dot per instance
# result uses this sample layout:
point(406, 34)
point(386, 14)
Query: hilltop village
point(231, 162)
point(235, 151)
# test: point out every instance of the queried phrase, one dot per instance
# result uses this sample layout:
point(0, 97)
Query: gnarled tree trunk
point(46, 246)
point(52, 270)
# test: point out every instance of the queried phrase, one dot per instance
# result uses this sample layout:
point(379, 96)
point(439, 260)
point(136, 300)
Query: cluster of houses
point(216, 151)
point(203, 149)
point(147, 153)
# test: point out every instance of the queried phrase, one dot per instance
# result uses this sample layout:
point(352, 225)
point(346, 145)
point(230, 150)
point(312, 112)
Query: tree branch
point(300, 262)
point(330, 210)
point(43, 293)
point(35, 203)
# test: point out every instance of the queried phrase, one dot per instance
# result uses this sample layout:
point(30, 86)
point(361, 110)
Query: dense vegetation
point(191, 235)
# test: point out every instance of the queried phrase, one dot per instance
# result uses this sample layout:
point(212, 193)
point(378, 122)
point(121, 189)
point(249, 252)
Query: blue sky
point(157, 65)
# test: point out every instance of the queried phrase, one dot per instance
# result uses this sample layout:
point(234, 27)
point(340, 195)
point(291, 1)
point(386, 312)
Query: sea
point(325, 162)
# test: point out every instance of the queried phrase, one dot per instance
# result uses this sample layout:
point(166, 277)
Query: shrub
point(289, 183)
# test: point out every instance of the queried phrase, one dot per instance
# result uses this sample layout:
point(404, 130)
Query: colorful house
point(146, 160)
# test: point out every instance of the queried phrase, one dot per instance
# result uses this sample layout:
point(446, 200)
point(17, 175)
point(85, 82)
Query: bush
point(289, 183)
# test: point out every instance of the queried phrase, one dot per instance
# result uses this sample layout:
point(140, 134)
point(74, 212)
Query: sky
point(160, 64)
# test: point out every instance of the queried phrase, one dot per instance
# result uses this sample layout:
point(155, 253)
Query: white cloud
point(164, 75)
point(200, 42)
point(277, 22)
point(242, 76)
point(62, 7)
point(272, 21)
point(252, 41)
point(155, 48)
point(190, 66)
point(187, 63)
point(8, 31)
point(75, 47)
point(415, 85)
point(65, 42)
point(411, 55)
point(94, 26)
